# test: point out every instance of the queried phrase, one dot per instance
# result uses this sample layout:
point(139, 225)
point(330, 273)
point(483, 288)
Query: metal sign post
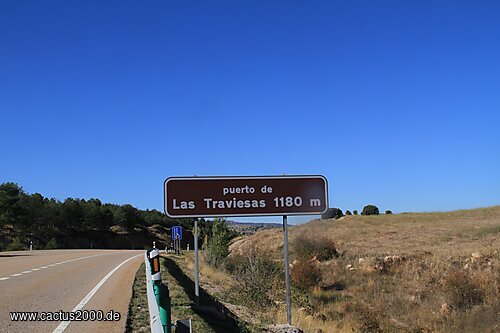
point(196, 273)
point(287, 273)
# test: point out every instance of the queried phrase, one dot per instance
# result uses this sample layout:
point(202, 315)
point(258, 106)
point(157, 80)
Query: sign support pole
point(196, 271)
point(287, 273)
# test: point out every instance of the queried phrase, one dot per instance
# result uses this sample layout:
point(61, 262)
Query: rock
point(392, 259)
point(445, 309)
point(466, 266)
point(348, 267)
point(283, 329)
point(361, 261)
point(476, 255)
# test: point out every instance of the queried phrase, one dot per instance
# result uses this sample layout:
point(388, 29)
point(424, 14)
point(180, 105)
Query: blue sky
point(397, 103)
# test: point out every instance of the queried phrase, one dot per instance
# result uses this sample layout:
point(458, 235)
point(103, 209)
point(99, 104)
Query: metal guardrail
point(154, 311)
point(160, 312)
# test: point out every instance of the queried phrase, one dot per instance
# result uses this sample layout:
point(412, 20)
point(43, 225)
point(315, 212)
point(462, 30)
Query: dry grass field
point(457, 232)
point(410, 272)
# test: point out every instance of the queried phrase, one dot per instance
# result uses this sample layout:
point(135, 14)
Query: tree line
point(33, 217)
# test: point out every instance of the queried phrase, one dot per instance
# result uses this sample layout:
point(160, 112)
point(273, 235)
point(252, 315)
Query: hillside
point(456, 232)
point(250, 228)
point(411, 272)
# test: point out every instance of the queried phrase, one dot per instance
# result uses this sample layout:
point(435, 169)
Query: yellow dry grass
point(457, 232)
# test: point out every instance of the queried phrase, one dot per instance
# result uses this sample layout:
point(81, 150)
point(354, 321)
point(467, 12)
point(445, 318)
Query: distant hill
point(247, 228)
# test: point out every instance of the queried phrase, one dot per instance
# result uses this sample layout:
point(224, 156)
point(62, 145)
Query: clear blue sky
point(397, 103)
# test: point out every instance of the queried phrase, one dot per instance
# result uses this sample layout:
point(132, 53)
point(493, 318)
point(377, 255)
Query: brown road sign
point(245, 196)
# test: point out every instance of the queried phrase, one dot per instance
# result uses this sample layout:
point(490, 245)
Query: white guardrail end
point(154, 312)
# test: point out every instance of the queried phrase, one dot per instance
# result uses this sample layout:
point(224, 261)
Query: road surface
point(66, 280)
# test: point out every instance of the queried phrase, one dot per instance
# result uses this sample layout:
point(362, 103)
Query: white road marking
point(55, 264)
point(5, 278)
point(62, 326)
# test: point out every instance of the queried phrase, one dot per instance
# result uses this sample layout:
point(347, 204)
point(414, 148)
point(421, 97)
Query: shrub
point(218, 247)
point(461, 290)
point(51, 244)
point(355, 212)
point(322, 248)
point(388, 212)
point(258, 277)
point(366, 318)
point(305, 275)
point(15, 245)
point(370, 210)
point(332, 213)
point(348, 212)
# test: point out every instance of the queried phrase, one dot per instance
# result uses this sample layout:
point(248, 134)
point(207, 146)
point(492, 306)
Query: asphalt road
point(66, 280)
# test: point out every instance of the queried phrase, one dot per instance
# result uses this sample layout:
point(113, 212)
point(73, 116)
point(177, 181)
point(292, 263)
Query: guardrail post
point(160, 290)
point(164, 305)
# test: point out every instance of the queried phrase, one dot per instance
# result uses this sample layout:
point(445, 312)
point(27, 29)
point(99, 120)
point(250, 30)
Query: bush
point(259, 278)
point(52, 244)
point(218, 247)
point(332, 213)
point(355, 212)
point(370, 210)
point(15, 245)
point(388, 212)
point(367, 321)
point(462, 292)
point(322, 248)
point(348, 212)
point(305, 275)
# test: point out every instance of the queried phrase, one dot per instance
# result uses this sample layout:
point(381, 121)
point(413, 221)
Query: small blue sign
point(176, 232)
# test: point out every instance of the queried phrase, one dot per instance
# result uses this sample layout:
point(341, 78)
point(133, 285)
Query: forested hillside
point(80, 223)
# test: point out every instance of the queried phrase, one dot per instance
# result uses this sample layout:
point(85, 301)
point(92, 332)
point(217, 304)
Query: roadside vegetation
point(138, 312)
